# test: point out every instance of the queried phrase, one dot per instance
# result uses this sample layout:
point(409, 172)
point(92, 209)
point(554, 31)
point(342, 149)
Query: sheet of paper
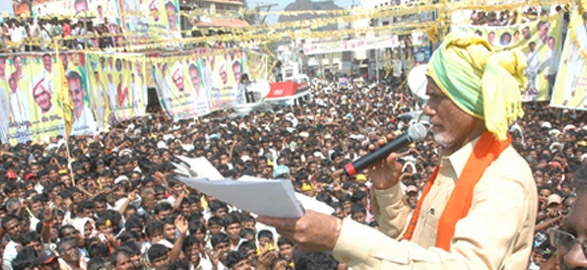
point(202, 167)
point(273, 198)
point(184, 169)
point(310, 203)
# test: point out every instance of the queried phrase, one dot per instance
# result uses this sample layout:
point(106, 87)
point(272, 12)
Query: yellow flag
point(582, 7)
point(63, 97)
point(432, 33)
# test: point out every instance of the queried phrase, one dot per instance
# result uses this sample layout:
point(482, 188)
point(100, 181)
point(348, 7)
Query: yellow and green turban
point(481, 82)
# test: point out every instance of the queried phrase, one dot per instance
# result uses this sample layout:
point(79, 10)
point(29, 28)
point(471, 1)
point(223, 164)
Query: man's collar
point(459, 158)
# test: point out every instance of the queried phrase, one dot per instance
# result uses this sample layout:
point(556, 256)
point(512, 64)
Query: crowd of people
point(19, 34)
point(30, 34)
point(112, 200)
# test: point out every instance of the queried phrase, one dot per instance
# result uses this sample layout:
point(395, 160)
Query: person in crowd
point(569, 239)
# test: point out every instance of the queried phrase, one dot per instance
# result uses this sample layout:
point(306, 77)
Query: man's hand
point(181, 224)
point(386, 173)
point(213, 255)
point(266, 260)
point(106, 190)
point(133, 196)
point(48, 215)
point(312, 232)
point(159, 177)
point(110, 238)
point(552, 212)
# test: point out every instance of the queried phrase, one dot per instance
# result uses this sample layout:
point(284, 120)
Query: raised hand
point(181, 224)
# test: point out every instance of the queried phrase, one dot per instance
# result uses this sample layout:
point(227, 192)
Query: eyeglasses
point(561, 239)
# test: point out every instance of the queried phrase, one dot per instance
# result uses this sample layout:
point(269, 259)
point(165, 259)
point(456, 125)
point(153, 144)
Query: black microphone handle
point(381, 153)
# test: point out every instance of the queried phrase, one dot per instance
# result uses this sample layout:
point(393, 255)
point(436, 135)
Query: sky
point(6, 5)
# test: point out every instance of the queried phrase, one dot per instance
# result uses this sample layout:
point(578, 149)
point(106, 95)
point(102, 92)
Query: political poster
point(570, 90)
point(227, 70)
point(117, 87)
point(152, 19)
point(198, 86)
point(99, 11)
point(106, 89)
point(28, 98)
point(50, 9)
point(84, 121)
point(176, 93)
point(539, 40)
point(256, 65)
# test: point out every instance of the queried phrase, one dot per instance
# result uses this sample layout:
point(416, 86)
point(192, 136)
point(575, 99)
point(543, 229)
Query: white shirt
point(551, 62)
point(4, 117)
point(533, 62)
point(112, 96)
point(10, 252)
point(118, 204)
point(98, 93)
point(34, 222)
point(17, 34)
point(171, 200)
point(205, 264)
point(85, 124)
point(134, 92)
point(19, 104)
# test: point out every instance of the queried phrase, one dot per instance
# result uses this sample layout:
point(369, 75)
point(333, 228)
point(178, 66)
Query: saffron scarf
point(487, 149)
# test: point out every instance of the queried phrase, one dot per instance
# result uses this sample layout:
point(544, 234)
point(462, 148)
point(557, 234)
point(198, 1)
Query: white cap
point(161, 145)
point(120, 179)
point(569, 128)
point(165, 243)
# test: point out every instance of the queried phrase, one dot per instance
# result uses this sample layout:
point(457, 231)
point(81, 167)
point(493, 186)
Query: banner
point(541, 43)
point(27, 98)
point(84, 121)
point(178, 96)
point(200, 86)
point(99, 11)
point(106, 89)
point(351, 45)
point(117, 86)
point(152, 20)
point(95, 10)
point(53, 8)
point(570, 90)
point(256, 65)
point(225, 75)
point(145, 19)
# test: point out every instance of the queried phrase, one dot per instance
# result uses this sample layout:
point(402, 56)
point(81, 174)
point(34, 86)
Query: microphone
point(416, 133)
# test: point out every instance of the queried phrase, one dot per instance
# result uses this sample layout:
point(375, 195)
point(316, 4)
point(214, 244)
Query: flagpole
point(65, 133)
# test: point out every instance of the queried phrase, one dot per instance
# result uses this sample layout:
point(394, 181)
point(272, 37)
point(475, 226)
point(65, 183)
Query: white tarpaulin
point(351, 45)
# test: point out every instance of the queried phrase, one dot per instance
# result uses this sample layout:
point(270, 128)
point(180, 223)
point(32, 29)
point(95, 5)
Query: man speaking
point(478, 209)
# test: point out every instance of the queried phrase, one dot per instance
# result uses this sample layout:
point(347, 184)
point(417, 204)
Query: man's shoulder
point(510, 165)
